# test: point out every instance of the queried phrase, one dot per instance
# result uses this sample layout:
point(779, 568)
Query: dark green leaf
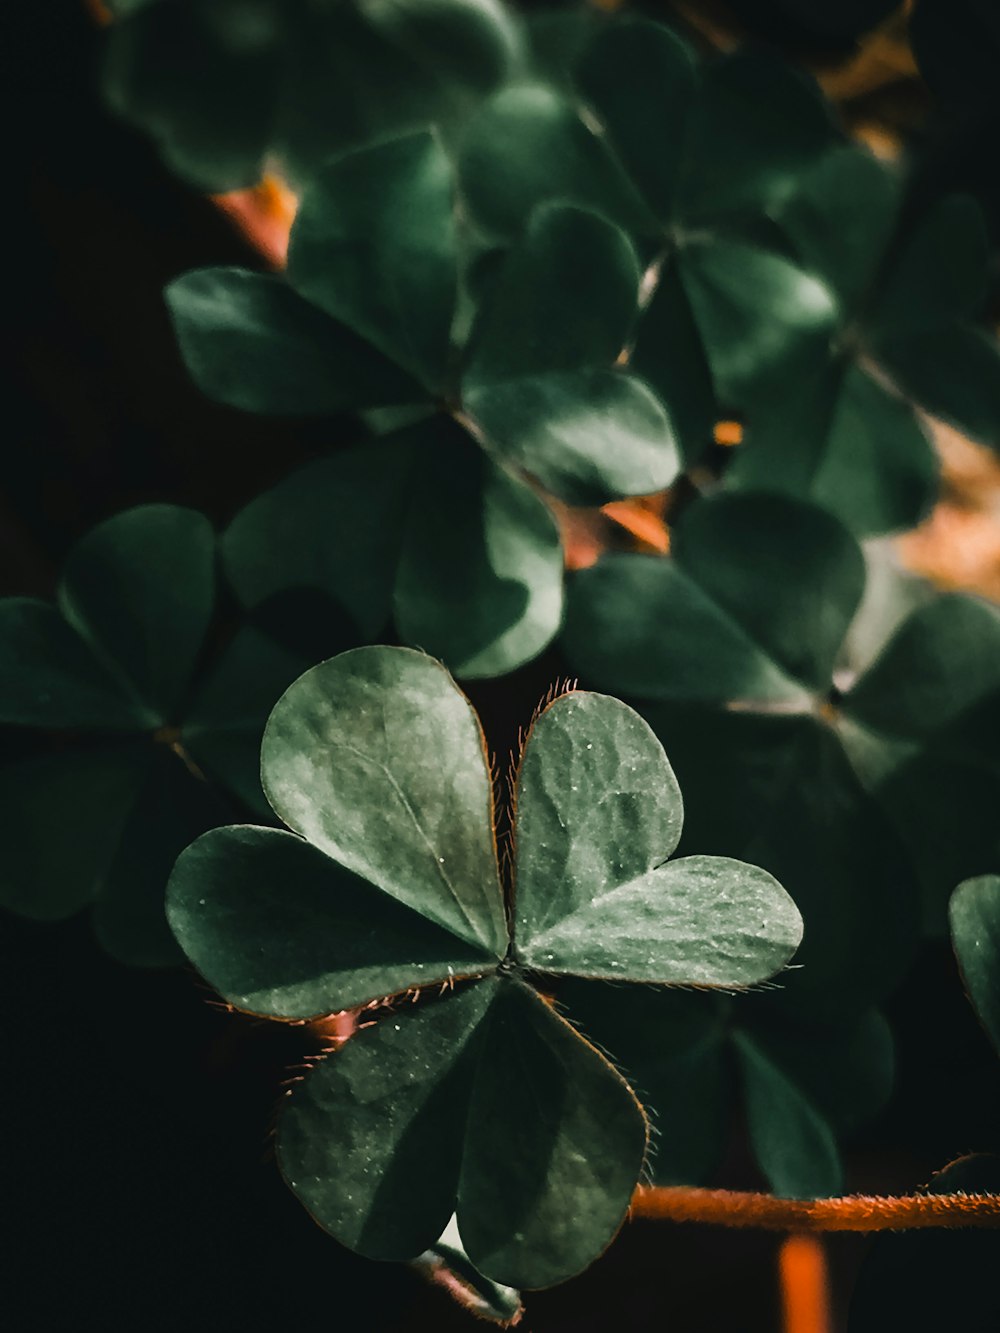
point(480, 574)
point(840, 217)
point(64, 814)
point(760, 316)
point(251, 342)
point(974, 914)
point(792, 1142)
point(528, 145)
point(170, 808)
point(447, 1264)
point(545, 1185)
point(139, 589)
point(378, 759)
point(223, 728)
point(941, 273)
point(334, 526)
point(637, 624)
point(565, 299)
point(50, 678)
point(399, 1129)
point(756, 123)
point(279, 929)
point(374, 246)
point(953, 373)
point(671, 1046)
point(843, 441)
point(589, 436)
point(640, 79)
point(670, 356)
point(598, 812)
point(372, 1140)
point(942, 661)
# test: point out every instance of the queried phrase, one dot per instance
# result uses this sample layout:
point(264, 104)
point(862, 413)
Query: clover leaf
point(749, 616)
point(842, 431)
point(225, 89)
point(679, 155)
point(389, 882)
point(974, 916)
point(371, 319)
point(692, 1059)
point(101, 814)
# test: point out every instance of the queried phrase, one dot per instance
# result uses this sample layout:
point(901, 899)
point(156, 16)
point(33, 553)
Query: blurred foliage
point(738, 256)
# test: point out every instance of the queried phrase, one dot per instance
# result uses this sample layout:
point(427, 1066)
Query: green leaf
point(638, 625)
point(169, 810)
point(50, 678)
point(639, 79)
point(480, 575)
point(760, 316)
point(753, 605)
point(528, 145)
point(792, 1142)
point(223, 728)
point(940, 275)
point(545, 1186)
point(846, 443)
point(671, 1046)
point(941, 663)
point(565, 299)
point(840, 218)
point(378, 759)
point(280, 929)
point(251, 342)
point(589, 436)
point(670, 356)
point(398, 1130)
point(373, 245)
point(598, 812)
point(974, 915)
point(315, 529)
point(65, 813)
point(757, 122)
point(139, 589)
point(953, 373)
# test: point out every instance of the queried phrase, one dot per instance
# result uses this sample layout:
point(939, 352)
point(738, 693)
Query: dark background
point(139, 1184)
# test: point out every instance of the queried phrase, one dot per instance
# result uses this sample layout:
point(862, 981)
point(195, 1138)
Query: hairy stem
point(855, 1212)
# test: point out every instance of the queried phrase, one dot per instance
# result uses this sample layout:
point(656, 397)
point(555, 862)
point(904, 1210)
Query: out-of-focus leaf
point(139, 589)
point(249, 341)
point(792, 1142)
point(480, 574)
point(374, 246)
point(974, 915)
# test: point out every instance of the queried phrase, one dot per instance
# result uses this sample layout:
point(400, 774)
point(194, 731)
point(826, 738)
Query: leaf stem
point(854, 1212)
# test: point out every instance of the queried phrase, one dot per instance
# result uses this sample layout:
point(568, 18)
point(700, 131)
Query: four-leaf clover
point(485, 1102)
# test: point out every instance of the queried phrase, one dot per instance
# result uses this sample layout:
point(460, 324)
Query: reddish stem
point(855, 1212)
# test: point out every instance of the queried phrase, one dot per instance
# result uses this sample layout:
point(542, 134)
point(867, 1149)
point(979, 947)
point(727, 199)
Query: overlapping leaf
point(840, 433)
point(677, 155)
point(377, 762)
point(101, 813)
point(225, 87)
point(370, 320)
point(750, 614)
point(974, 915)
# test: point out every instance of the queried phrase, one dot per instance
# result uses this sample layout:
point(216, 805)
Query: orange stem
point(805, 1288)
point(855, 1212)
